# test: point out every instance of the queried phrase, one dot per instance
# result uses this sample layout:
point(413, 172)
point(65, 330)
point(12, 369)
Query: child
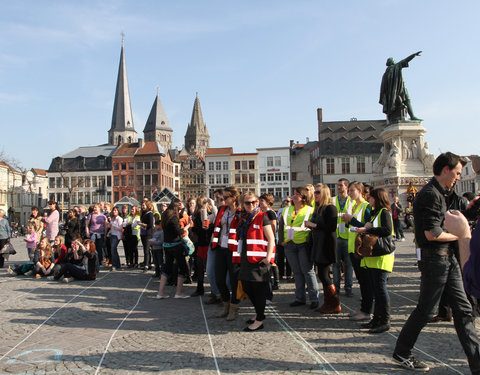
point(31, 239)
point(157, 248)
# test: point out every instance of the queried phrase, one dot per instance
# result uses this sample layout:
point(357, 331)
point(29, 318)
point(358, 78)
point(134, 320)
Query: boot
point(226, 308)
point(331, 301)
point(375, 320)
point(276, 277)
point(233, 312)
point(213, 299)
point(383, 324)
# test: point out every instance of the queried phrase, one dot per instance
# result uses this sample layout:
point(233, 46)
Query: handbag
point(188, 244)
point(8, 249)
point(384, 246)
point(364, 244)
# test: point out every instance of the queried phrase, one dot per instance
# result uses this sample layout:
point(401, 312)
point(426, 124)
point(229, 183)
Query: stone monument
point(405, 157)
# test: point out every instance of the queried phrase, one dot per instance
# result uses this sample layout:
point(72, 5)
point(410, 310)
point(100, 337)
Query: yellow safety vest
point(359, 214)
point(347, 209)
point(383, 262)
point(300, 231)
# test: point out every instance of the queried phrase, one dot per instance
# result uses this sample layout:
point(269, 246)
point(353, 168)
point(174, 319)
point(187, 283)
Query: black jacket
point(324, 236)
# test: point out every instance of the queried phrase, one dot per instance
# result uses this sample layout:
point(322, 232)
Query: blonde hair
point(325, 199)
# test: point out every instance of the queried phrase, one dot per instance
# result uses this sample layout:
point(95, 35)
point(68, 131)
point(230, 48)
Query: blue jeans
point(113, 248)
point(302, 268)
point(211, 271)
point(342, 255)
point(99, 240)
point(441, 274)
point(378, 283)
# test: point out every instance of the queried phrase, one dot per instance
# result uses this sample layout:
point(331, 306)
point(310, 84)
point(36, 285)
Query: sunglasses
point(252, 202)
point(317, 192)
point(225, 197)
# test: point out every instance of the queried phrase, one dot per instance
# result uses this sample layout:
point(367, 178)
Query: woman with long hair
point(116, 228)
point(378, 267)
point(146, 232)
point(43, 259)
point(324, 246)
point(83, 262)
point(360, 215)
point(51, 221)
point(95, 231)
point(174, 250)
point(132, 235)
point(72, 228)
point(223, 255)
point(293, 235)
point(254, 240)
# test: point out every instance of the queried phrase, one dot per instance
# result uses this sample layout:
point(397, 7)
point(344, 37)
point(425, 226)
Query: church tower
point(122, 130)
point(197, 137)
point(157, 128)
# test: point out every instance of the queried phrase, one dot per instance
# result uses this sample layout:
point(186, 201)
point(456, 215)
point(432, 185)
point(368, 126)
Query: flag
point(154, 192)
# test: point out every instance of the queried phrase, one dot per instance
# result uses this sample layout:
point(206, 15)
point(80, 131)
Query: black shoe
point(246, 329)
point(410, 363)
point(314, 305)
point(297, 303)
point(383, 327)
point(440, 318)
point(197, 293)
point(250, 321)
point(275, 286)
point(371, 324)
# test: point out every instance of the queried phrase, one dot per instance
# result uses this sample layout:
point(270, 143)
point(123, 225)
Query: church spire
point(197, 137)
point(157, 128)
point(122, 129)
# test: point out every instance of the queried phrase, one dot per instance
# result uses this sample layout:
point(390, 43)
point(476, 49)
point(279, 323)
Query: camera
point(473, 213)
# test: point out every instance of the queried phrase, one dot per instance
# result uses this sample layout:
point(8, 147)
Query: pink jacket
point(31, 240)
point(52, 225)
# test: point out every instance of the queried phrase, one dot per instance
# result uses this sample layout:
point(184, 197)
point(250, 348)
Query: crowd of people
point(246, 248)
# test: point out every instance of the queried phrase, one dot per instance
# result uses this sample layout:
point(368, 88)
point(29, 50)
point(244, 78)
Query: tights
point(324, 275)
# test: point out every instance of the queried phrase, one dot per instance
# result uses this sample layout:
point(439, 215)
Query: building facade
point(192, 176)
point(274, 172)
point(218, 164)
point(244, 171)
point(33, 193)
point(300, 163)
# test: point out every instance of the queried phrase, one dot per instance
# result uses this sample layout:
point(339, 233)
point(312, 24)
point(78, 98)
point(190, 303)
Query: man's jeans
point(441, 273)
point(302, 269)
point(342, 254)
point(211, 271)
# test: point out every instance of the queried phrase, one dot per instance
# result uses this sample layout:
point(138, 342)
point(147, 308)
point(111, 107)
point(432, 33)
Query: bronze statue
point(393, 93)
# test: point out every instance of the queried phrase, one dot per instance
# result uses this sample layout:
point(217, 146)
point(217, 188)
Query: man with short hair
point(440, 271)
point(344, 206)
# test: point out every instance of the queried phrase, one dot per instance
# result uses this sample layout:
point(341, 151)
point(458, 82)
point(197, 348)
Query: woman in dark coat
point(72, 228)
point(324, 244)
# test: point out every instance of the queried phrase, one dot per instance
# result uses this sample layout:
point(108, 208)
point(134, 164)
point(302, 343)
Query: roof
point(91, 151)
point(157, 120)
point(245, 153)
point(126, 149)
point(300, 147)
point(8, 166)
point(219, 151)
point(351, 137)
point(150, 148)
point(130, 201)
point(40, 172)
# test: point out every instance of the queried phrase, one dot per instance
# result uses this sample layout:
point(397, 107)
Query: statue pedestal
point(405, 158)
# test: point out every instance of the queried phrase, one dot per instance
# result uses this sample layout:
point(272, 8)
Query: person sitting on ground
point(84, 268)
point(59, 253)
point(43, 259)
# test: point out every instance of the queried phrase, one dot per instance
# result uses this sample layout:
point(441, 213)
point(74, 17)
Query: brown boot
point(332, 302)
point(233, 312)
point(226, 308)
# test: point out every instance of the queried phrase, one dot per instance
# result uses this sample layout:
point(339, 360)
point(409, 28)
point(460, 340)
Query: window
point(269, 161)
point(123, 181)
point(251, 178)
point(278, 177)
point(237, 164)
point(218, 165)
point(140, 181)
point(244, 178)
point(130, 166)
point(74, 182)
point(211, 179)
point(87, 181)
point(116, 196)
point(225, 165)
point(146, 165)
point(285, 176)
point(278, 161)
point(225, 179)
point(154, 179)
point(80, 198)
point(330, 166)
point(154, 164)
point(211, 165)
point(237, 178)
point(59, 182)
point(345, 165)
point(116, 166)
point(140, 166)
point(124, 166)
point(51, 182)
point(270, 177)
point(218, 179)
point(263, 177)
point(193, 164)
point(116, 180)
point(360, 164)
point(332, 188)
point(94, 181)
point(130, 180)
point(101, 163)
point(147, 179)
point(109, 181)
point(251, 164)
point(101, 181)
point(294, 176)
point(244, 164)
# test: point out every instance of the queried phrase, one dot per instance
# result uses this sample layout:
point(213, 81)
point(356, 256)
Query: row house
point(218, 162)
point(244, 171)
point(274, 172)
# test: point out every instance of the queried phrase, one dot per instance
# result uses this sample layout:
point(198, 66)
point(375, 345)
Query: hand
point(457, 224)
point(309, 224)
point(265, 261)
point(362, 230)
point(368, 225)
point(284, 243)
point(346, 218)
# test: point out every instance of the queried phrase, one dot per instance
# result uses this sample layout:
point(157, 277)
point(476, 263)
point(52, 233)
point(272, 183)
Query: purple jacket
point(471, 269)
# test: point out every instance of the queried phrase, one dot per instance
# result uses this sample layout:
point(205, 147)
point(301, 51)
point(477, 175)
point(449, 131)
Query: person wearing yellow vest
point(344, 206)
point(293, 235)
point(324, 244)
point(378, 267)
point(360, 215)
point(132, 236)
point(255, 241)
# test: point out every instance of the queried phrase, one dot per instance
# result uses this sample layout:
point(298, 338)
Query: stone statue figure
point(393, 93)
point(378, 165)
point(392, 161)
point(404, 150)
point(414, 149)
point(427, 158)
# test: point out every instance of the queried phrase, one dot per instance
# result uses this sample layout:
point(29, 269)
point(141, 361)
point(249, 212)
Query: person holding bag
point(378, 267)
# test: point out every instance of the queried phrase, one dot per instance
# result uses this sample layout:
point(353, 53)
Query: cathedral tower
point(197, 137)
point(157, 128)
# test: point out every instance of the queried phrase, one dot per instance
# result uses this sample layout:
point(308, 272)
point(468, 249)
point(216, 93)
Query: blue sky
point(261, 69)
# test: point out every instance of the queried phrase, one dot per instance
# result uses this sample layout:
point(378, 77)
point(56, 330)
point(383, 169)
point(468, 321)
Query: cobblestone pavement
point(115, 325)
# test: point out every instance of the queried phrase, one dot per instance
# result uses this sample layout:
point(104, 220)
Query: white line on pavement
point(209, 336)
point(51, 315)
point(320, 359)
point(121, 323)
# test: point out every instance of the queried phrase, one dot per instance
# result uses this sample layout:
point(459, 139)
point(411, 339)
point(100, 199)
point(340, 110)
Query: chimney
point(308, 140)
point(319, 120)
point(141, 143)
point(292, 142)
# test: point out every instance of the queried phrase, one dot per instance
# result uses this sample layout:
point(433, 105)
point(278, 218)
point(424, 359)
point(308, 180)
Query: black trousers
point(366, 291)
point(146, 251)
point(2, 244)
point(256, 291)
point(282, 262)
point(224, 266)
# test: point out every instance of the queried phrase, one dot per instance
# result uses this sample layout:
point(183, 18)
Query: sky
point(261, 69)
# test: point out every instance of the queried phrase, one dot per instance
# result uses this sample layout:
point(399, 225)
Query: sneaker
point(28, 273)
point(178, 296)
point(50, 278)
point(359, 315)
point(402, 239)
point(410, 363)
point(158, 296)
point(67, 279)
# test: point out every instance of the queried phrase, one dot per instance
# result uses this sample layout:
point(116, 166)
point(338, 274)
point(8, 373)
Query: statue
point(393, 93)
point(404, 150)
point(392, 161)
point(414, 150)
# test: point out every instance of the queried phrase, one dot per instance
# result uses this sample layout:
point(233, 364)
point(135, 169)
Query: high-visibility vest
point(134, 222)
point(218, 225)
point(257, 244)
point(383, 262)
point(359, 214)
point(347, 209)
point(297, 223)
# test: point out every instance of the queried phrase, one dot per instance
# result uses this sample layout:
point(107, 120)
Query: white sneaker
point(67, 279)
point(402, 240)
point(181, 297)
point(162, 297)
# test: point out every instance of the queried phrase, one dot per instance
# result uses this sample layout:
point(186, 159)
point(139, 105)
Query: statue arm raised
point(410, 58)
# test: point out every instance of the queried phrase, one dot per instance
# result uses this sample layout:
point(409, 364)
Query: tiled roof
point(40, 172)
point(126, 149)
point(150, 148)
point(91, 151)
point(219, 151)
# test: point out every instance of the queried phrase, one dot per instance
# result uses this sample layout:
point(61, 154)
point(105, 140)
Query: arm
point(458, 226)
point(268, 233)
point(387, 225)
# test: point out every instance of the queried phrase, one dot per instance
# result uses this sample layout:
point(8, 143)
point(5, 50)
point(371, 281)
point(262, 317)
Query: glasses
point(317, 192)
point(225, 197)
point(252, 202)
